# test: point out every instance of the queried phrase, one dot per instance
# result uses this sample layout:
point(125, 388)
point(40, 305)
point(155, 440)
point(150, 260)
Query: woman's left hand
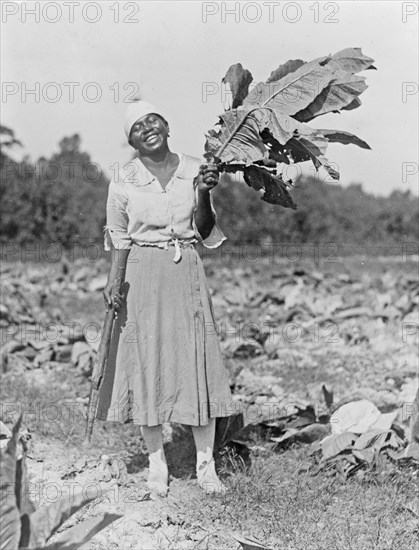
point(208, 177)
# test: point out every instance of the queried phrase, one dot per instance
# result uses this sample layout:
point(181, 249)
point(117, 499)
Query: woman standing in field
point(164, 363)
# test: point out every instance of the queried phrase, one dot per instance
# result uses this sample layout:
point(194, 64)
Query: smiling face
point(149, 134)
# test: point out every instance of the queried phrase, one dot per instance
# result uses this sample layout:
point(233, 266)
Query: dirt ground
point(286, 328)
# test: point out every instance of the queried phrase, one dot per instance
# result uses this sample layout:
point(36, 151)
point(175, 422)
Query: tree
point(59, 200)
point(7, 143)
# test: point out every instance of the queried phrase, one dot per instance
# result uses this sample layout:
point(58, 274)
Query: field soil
point(287, 328)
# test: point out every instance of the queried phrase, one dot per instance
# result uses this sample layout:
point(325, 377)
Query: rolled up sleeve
point(216, 237)
point(116, 228)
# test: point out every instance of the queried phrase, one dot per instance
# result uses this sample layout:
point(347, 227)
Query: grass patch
point(52, 404)
point(287, 509)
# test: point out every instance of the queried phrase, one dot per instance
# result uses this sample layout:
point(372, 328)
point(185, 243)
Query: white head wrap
point(137, 110)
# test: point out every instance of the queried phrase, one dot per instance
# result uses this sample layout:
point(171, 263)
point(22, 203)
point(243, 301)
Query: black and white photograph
point(209, 305)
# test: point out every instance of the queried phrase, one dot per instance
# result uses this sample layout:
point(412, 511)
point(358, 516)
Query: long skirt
point(165, 363)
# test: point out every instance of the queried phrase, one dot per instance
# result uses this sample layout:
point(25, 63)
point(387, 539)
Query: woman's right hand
point(112, 298)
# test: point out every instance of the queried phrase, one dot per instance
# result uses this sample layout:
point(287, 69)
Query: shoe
point(208, 479)
point(158, 475)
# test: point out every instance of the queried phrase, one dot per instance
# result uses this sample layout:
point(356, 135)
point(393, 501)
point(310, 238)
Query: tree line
point(62, 200)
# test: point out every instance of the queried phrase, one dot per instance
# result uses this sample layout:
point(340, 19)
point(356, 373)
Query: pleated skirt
point(165, 363)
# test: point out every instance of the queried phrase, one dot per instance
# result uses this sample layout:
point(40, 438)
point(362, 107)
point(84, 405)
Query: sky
point(85, 60)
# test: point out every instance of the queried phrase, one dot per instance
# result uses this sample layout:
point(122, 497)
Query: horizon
point(185, 82)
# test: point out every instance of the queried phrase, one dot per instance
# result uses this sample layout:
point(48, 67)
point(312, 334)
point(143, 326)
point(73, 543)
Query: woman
point(165, 362)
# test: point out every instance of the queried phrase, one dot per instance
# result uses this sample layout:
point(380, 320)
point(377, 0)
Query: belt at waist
point(177, 243)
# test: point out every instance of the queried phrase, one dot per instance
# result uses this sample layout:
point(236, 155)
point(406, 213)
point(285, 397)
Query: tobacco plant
point(23, 527)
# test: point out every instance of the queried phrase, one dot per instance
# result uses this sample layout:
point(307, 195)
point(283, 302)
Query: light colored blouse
point(140, 211)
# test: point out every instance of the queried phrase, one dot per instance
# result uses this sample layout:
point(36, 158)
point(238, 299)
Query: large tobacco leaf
point(313, 149)
point(353, 60)
point(239, 80)
point(44, 522)
point(340, 136)
point(294, 91)
point(339, 94)
point(343, 90)
point(22, 527)
point(239, 139)
point(289, 67)
point(276, 191)
point(81, 533)
point(10, 517)
point(270, 120)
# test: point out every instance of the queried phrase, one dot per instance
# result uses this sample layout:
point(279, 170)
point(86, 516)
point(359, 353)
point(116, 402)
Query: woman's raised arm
point(204, 216)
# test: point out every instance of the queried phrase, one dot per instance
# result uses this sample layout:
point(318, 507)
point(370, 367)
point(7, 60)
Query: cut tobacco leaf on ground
point(328, 397)
point(359, 417)
point(334, 444)
point(250, 543)
point(277, 379)
point(307, 434)
point(82, 532)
